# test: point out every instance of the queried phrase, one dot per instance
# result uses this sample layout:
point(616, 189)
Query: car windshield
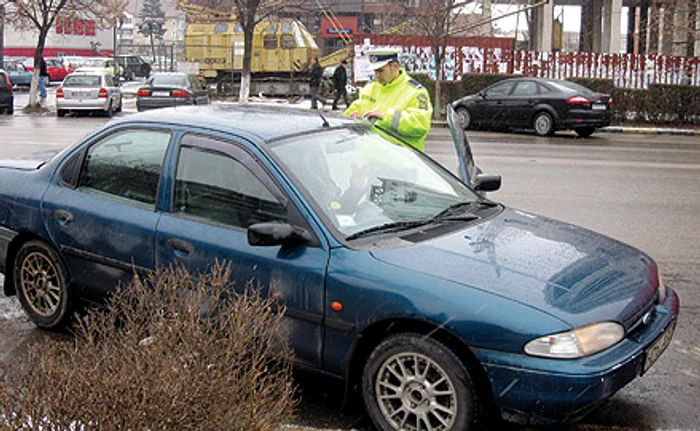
point(168, 81)
point(82, 81)
point(570, 87)
point(95, 63)
point(362, 182)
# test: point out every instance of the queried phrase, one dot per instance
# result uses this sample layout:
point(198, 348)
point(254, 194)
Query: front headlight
point(578, 342)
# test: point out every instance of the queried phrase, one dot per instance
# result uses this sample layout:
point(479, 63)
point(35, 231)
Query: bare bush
point(167, 352)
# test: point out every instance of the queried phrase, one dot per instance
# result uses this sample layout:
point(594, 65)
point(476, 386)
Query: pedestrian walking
point(315, 83)
point(340, 81)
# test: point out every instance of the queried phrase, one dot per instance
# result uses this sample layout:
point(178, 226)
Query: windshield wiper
point(388, 227)
point(442, 215)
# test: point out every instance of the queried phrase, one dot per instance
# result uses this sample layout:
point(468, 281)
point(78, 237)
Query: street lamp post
point(152, 27)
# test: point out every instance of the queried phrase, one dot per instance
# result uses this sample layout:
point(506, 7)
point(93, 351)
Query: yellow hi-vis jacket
point(405, 104)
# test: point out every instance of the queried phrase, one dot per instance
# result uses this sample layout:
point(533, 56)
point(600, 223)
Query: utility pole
point(2, 35)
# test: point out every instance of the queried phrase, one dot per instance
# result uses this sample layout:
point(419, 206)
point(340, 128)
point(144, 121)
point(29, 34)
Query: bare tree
point(41, 15)
point(436, 19)
point(249, 14)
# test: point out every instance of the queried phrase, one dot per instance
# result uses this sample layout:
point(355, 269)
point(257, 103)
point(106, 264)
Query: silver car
point(84, 91)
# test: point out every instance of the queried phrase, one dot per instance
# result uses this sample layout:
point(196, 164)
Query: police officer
point(399, 104)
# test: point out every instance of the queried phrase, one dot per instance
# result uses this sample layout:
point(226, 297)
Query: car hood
point(30, 163)
point(574, 274)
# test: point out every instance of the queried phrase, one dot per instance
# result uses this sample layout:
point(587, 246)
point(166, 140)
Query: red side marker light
point(337, 306)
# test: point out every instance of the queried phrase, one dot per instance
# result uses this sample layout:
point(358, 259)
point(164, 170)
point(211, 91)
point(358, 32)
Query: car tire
point(584, 132)
point(464, 117)
point(10, 110)
point(61, 112)
point(415, 364)
point(110, 110)
point(121, 102)
point(41, 280)
point(543, 123)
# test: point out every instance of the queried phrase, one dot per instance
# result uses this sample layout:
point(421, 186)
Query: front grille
point(634, 321)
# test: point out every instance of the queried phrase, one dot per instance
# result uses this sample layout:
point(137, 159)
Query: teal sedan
point(19, 75)
point(431, 302)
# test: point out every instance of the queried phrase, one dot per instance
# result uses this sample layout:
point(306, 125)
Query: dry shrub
point(167, 352)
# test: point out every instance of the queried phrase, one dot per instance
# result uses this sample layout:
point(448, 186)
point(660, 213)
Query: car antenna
point(325, 124)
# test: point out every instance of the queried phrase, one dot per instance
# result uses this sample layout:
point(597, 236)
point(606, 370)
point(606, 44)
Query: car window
point(498, 90)
point(169, 81)
point(571, 88)
point(216, 187)
point(82, 81)
point(525, 88)
point(126, 165)
point(3, 82)
point(109, 81)
point(360, 180)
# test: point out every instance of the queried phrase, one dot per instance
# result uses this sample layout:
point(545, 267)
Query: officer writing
point(399, 104)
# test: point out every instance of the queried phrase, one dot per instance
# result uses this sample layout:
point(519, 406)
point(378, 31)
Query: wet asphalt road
point(641, 189)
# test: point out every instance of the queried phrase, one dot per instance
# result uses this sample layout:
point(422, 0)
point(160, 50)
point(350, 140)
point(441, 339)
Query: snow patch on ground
point(9, 307)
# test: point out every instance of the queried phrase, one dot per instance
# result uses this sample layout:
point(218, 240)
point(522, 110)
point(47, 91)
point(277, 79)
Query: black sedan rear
point(545, 105)
point(171, 89)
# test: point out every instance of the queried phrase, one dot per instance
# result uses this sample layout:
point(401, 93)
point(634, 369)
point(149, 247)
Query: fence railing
point(626, 70)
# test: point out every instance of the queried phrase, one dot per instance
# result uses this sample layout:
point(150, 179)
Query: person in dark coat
point(43, 77)
point(315, 83)
point(340, 81)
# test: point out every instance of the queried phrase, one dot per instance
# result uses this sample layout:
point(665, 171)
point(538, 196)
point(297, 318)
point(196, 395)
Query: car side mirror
point(272, 234)
point(487, 183)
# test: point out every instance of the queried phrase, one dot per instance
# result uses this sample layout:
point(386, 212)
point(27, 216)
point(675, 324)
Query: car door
point(102, 214)
point(218, 190)
point(490, 109)
point(522, 102)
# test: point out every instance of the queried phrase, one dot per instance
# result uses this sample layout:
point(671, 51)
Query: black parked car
point(166, 89)
point(7, 98)
point(545, 105)
point(133, 67)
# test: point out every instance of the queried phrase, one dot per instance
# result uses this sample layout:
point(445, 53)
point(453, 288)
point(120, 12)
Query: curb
point(621, 129)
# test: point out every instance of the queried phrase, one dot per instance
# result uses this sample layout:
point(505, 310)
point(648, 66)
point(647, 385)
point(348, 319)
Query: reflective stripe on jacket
point(405, 104)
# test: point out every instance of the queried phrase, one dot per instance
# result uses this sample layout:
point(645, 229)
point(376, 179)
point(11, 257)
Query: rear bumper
point(531, 390)
point(585, 118)
point(143, 103)
point(85, 105)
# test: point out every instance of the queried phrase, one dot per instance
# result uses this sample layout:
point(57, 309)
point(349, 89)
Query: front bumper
point(531, 390)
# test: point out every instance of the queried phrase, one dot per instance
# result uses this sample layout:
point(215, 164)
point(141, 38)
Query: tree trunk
point(34, 99)
point(248, 30)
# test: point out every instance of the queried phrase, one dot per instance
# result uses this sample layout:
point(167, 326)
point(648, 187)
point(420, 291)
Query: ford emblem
point(647, 318)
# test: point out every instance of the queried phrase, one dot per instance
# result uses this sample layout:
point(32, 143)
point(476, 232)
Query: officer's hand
point(374, 114)
point(355, 114)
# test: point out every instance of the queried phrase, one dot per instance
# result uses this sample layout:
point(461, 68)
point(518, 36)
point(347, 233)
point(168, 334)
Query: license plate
point(599, 107)
point(658, 346)
point(161, 94)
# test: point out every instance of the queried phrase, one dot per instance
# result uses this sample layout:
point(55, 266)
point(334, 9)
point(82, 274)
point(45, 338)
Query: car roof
point(264, 122)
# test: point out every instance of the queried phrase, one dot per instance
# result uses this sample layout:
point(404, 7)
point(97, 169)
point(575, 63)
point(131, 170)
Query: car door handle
point(64, 217)
point(181, 247)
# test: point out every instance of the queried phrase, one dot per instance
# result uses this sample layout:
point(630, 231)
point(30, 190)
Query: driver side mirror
point(487, 183)
point(482, 94)
point(285, 234)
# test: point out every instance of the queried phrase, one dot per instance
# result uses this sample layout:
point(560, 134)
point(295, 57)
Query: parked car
point(56, 69)
point(18, 73)
point(85, 91)
point(164, 89)
point(396, 276)
point(545, 105)
point(7, 98)
point(134, 67)
point(104, 65)
point(72, 62)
